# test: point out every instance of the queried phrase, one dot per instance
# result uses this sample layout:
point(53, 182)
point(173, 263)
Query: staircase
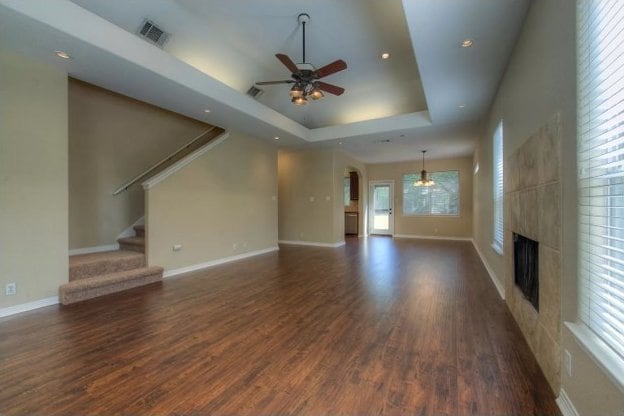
point(97, 274)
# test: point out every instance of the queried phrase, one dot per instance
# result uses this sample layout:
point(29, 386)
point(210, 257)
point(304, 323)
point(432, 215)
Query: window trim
point(459, 210)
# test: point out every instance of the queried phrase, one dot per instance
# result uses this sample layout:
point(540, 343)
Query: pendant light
point(423, 181)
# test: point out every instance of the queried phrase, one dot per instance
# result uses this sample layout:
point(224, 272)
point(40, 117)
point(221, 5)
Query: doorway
point(381, 206)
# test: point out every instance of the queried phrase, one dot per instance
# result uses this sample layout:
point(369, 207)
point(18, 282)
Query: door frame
point(371, 207)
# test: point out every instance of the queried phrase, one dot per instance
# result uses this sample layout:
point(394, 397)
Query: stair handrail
point(134, 180)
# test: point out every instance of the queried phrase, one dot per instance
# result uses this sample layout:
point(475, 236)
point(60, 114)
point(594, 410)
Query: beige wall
point(306, 196)
point(434, 226)
point(343, 162)
point(539, 82)
point(33, 178)
point(113, 138)
point(224, 198)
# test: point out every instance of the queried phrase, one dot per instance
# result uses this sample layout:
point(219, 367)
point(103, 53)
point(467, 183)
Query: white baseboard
point(497, 283)
point(96, 249)
point(432, 237)
point(565, 404)
point(212, 263)
point(311, 243)
point(28, 306)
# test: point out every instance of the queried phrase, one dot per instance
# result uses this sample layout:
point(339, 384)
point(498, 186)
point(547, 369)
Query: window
point(601, 170)
point(439, 199)
point(346, 185)
point(497, 188)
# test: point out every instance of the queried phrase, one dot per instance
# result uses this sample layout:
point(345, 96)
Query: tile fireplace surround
point(533, 209)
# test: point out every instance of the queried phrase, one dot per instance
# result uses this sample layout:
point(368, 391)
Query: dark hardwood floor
point(380, 326)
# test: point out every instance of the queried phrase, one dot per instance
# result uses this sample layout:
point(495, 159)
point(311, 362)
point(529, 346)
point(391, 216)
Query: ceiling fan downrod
point(303, 18)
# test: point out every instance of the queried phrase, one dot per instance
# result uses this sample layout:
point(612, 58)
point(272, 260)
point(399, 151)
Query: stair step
point(132, 243)
point(139, 230)
point(85, 266)
point(83, 289)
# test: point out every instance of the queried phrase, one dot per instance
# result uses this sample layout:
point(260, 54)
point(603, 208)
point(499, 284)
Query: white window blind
point(601, 168)
point(497, 190)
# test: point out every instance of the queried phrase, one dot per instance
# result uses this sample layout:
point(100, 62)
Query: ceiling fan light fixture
point(316, 93)
point(301, 100)
point(296, 91)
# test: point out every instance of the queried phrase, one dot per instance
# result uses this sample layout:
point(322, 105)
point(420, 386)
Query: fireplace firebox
point(526, 267)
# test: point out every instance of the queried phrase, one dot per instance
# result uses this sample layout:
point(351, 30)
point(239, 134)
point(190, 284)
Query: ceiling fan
point(306, 77)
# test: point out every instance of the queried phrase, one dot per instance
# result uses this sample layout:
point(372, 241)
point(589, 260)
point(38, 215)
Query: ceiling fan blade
point(286, 81)
point(330, 88)
point(288, 63)
point(332, 68)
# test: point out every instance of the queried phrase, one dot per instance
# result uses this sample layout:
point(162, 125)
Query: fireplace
point(526, 266)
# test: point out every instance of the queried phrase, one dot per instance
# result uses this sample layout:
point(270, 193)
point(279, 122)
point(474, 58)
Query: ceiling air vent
point(149, 31)
point(254, 91)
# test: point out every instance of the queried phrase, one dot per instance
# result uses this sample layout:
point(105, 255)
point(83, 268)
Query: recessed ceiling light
point(276, 137)
point(62, 54)
point(385, 55)
point(462, 105)
point(466, 43)
point(339, 142)
point(206, 111)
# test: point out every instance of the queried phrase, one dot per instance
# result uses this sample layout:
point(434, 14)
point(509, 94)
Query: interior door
point(380, 215)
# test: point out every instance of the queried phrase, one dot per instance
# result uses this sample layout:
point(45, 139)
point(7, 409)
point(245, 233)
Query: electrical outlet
point(177, 247)
point(245, 244)
point(567, 362)
point(10, 289)
point(234, 246)
point(311, 199)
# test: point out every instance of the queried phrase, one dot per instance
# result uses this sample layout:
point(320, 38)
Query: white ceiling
point(251, 33)
point(219, 48)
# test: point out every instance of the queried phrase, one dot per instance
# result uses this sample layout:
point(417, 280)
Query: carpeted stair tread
point(132, 243)
point(83, 289)
point(85, 266)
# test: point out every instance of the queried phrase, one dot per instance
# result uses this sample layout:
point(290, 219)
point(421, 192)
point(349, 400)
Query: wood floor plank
point(379, 326)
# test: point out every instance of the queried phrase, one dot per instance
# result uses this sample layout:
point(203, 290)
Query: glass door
point(381, 206)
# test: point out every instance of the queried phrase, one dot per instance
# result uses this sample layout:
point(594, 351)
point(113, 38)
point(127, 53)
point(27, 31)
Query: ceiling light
point(299, 100)
point(62, 54)
point(466, 43)
point(276, 137)
point(462, 105)
point(206, 111)
point(423, 181)
point(296, 91)
point(385, 55)
point(316, 93)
